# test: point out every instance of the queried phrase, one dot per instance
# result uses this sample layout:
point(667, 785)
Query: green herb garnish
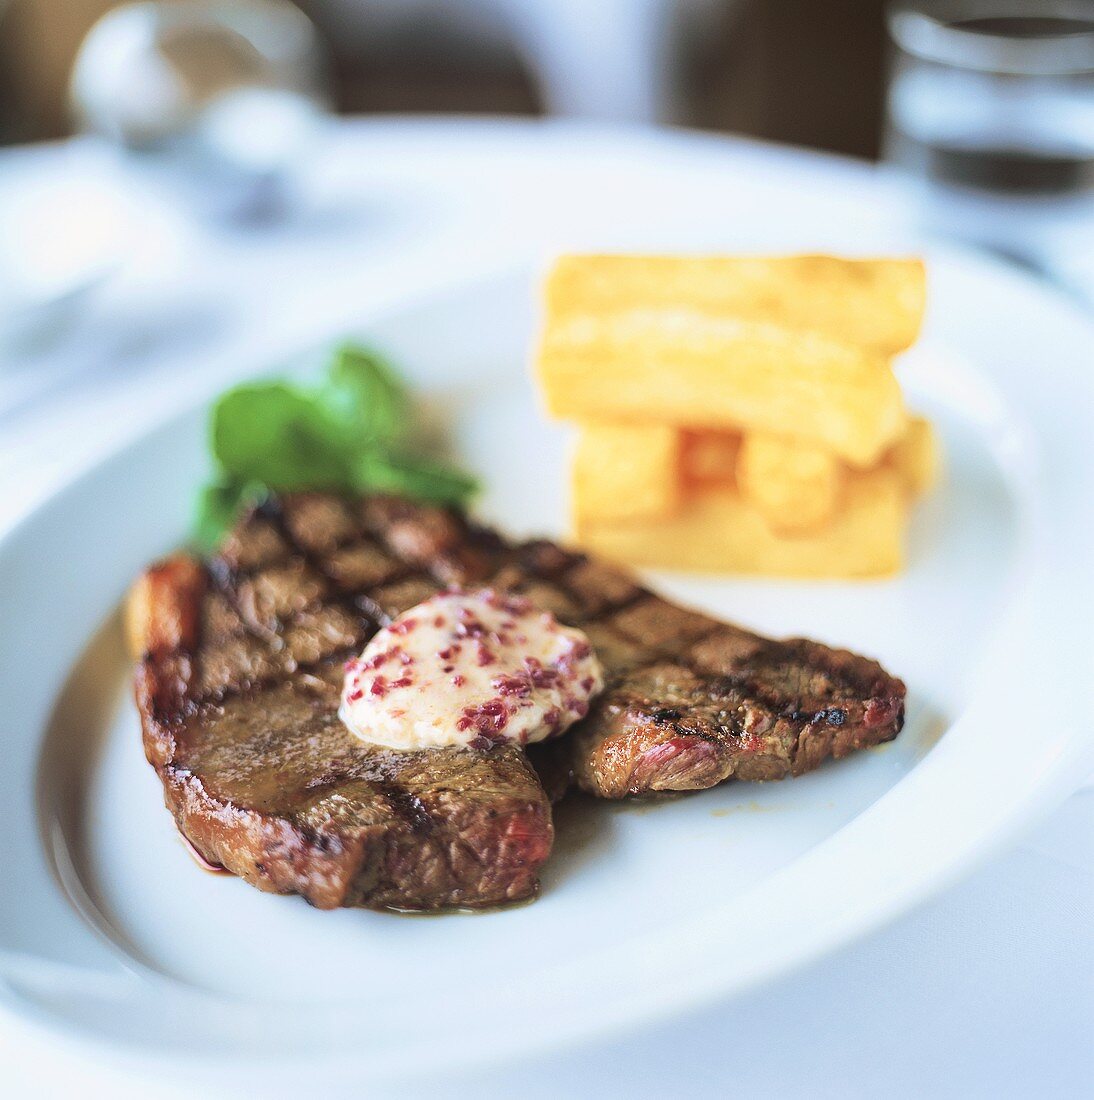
point(420, 478)
point(350, 433)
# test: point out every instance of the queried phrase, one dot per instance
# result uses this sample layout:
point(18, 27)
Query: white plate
point(110, 934)
point(59, 241)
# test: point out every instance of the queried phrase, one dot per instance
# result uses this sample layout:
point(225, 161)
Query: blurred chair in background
point(794, 70)
point(613, 60)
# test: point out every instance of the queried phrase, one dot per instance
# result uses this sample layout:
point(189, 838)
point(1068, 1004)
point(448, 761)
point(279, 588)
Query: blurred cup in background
point(990, 115)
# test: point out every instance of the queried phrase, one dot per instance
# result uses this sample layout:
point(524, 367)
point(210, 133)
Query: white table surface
point(986, 991)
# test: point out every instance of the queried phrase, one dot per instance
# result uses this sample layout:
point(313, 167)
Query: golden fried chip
point(686, 368)
point(876, 304)
point(625, 471)
point(717, 531)
point(796, 486)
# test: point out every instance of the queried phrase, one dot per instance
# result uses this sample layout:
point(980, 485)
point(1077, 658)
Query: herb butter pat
point(470, 669)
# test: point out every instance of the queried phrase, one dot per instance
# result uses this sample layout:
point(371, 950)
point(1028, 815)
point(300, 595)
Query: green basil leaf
point(273, 433)
point(421, 478)
point(366, 396)
point(344, 435)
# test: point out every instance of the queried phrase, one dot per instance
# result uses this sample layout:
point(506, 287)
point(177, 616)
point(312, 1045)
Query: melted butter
point(470, 669)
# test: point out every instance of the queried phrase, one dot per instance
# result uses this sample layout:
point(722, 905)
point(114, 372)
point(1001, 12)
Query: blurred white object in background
point(609, 60)
point(60, 238)
point(991, 114)
point(226, 94)
point(612, 60)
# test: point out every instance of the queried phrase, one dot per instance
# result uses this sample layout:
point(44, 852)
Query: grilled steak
point(238, 692)
point(729, 704)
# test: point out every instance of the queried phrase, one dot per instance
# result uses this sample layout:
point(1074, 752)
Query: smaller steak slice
point(717, 702)
point(238, 690)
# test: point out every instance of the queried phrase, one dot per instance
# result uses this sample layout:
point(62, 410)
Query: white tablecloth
point(989, 989)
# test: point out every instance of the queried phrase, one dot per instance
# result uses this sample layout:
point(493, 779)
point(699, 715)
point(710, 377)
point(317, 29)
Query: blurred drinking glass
point(991, 115)
point(225, 95)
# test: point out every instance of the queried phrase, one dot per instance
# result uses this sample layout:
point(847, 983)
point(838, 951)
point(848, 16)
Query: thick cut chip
point(717, 530)
point(710, 457)
point(796, 486)
point(687, 368)
point(625, 471)
point(874, 304)
point(915, 456)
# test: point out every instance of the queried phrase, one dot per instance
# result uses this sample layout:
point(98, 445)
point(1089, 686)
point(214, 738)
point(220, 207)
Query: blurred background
point(800, 71)
point(170, 168)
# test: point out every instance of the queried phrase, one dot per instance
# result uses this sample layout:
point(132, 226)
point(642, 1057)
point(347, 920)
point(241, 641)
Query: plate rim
point(1047, 788)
